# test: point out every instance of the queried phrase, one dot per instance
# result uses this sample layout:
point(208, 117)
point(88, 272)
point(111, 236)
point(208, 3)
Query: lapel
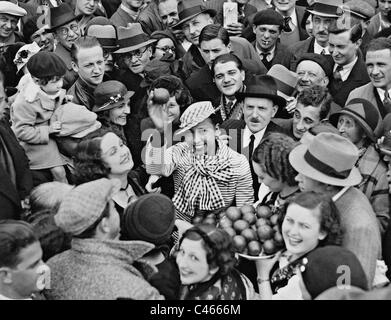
point(65, 55)
point(380, 106)
point(300, 11)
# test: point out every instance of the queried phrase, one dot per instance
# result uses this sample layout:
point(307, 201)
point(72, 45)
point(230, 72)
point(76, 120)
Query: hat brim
point(127, 96)
point(192, 125)
point(87, 131)
point(322, 14)
point(296, 159)
point(52, 29)
point(385, 150)
point(280, 101)
point(137, 46)
point(333, 118)
point(178, 25)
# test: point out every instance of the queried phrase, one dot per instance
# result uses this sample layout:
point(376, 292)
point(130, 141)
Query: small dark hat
point(364, 113)
point(188, 9)
point(268, 16)
point(150, 218)
point(46, 64)
point(263, 87)
point(110, 94)
point(61, 15)
point(321, 60)
point(153, 70)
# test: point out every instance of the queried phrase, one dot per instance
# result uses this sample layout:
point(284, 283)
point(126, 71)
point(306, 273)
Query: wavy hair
point(217, 244)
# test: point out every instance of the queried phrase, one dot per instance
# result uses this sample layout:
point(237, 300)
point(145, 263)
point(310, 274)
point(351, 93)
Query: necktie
point(228, 109)
point(287, 27)
point(337, 73)
point(387, 102)
point(323, 52)
point(253, 175)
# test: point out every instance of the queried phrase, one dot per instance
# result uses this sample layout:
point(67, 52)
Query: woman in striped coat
point(208, 175)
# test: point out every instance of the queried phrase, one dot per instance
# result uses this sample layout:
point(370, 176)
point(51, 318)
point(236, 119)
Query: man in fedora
point(327, 165)
point(194, 16)
point(133, 55)
point(267, 26)
point(10, 14)
point(127, 12)
point(107, 37)
point(260, 104)
point(64, 26)
point(39, 35)
point(215, 41)
point(89, 64)
point(324, 14)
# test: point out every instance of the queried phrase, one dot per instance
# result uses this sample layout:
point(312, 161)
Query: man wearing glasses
point(66, 31)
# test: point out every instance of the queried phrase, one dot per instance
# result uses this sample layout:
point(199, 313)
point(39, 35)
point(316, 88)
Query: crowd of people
point(129, 127)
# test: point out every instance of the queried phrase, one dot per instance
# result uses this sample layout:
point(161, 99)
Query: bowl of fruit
point(255, 232)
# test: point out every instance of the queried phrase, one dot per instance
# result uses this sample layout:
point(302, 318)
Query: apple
point(211, 221)
point(274, 219)
point(233, 213)
point(225, 223)
point(265, 232)
point(231, 232)
point(262, 222)
point(197, 220)
point(211, 215)
point(240, 225)
point(254, 248)
point(269, 247)
point(276, 228)
point(247, 208)
point(263, 211)
point(249, 234)
point(249, 217)
point(161, 96)
point(278, 239)
point(239, 243)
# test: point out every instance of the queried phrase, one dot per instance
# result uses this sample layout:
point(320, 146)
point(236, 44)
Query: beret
point(268, 16)
point(46, 64)
point(321, 60)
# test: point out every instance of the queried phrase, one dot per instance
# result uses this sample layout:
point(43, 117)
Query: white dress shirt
point(346, 69)
point(270, 54)
point(318, 48)
point(258, 137)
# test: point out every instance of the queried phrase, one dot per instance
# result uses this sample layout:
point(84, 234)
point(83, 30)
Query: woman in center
point(208, 175)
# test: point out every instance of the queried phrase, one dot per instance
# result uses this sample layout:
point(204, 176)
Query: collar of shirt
point(258, 137)
point(383, 24)
point(270, 54)
point(128, 11)
point(346, 69)
point(269, 2)
point(340, 194)
point(318, 48)
point(186, 44)
point(382, 93)
point(293, 18)
point(226, 100)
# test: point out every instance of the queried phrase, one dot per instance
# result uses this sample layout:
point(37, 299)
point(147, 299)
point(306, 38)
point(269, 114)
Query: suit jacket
point(280, 55)
point(110, 6)
point(370, 93)
point(235, 129)
point(374, 25)
point(150, 20)
point(340, 90)
point(295, 51)
point(121, 18)
point(300, 11)
point(70, 76)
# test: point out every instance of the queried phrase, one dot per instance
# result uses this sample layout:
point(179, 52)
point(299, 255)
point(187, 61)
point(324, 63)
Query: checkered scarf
point(199, 188)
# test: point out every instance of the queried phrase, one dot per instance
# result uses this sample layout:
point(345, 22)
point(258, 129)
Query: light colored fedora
point(329, 158)
point(286, 80)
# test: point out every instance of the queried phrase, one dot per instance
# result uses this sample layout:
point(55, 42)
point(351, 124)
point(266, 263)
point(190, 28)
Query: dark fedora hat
point(188, 9)
point(263, 87)
point(61, 15)
point(132, 38)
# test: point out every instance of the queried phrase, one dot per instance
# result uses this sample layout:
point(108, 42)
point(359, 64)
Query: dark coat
point(340, 90)
point(280, 55)
point(121, 18)
point(70, 76)
point(149, 19)
point(10, 194)
point(296, 51)
point(230, 126)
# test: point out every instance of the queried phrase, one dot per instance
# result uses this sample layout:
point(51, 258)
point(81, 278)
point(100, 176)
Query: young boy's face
point(53, 86)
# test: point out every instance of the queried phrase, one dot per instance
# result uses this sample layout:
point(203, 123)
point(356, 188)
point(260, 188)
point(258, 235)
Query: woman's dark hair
point(272, 154)
point(175, 87)
point(218, 245)
point(88, 161)
point(14, 236)
point(330, 221)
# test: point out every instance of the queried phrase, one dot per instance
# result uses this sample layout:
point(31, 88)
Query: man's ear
point(243, 75)
point(74, 67)
point(104, 226)
point(275, 109)
point(217, 130)
point(254, 29)
point(5, 275)
point(213, 271)
point(326, 81)
point(229, 47)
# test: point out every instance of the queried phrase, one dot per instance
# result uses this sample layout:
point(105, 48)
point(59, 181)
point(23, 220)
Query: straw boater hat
point(326, 8)
point(329, 158)
point(364, 113)
point(132, 38)
point(188, 9)
point(263, 87)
